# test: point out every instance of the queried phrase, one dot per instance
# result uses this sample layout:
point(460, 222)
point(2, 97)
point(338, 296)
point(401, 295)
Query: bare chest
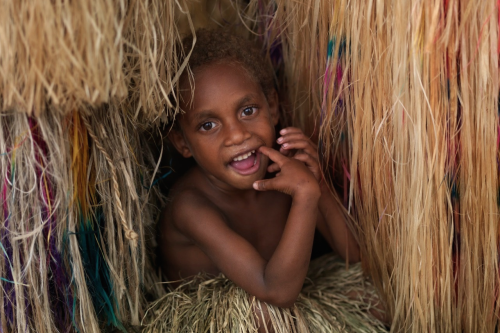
point(261, 225)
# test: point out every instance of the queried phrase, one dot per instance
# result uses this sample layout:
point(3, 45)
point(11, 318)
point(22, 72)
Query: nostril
point(237, 135)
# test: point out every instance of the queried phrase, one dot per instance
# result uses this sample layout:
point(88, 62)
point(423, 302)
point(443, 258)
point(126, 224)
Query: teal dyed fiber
point(97, 271)
point(9, 281)
point(331, 47)
point(10, 264)
point(329, 51)
point(452, 184)
point(156, 181)
point(454, 192)
point(498, 197)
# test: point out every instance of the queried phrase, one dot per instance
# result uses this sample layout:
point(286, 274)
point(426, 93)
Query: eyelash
point(206, 130)
point(254, 108)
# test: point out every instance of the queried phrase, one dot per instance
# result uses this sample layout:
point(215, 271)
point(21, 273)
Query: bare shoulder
point(181, 227)
point(188, 204)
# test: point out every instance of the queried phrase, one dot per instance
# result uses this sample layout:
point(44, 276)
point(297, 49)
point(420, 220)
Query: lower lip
point(252, 169)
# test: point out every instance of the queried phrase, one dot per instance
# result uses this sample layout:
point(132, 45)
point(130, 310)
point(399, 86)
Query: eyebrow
point(244, 99)
point(202, 115)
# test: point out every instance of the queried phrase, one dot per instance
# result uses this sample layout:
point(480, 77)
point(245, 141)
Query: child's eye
point(207, 126)
point(248, 111)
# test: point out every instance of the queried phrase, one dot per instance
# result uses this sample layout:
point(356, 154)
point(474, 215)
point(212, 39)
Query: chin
point(246, 184)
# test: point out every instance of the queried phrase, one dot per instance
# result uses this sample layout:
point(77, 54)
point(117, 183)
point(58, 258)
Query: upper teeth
point(244, 156)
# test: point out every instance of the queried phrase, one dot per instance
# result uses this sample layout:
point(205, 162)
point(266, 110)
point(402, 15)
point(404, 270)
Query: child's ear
point(177, 139)
point(273, 102)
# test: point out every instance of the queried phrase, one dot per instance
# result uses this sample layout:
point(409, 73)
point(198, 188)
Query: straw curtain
point(402, 96)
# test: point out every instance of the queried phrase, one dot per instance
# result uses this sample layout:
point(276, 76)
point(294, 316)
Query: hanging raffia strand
point(72, 239)
point(477, 184)
point(71, 54)
point(151, 58)
point(43, 280)
point(405, 97)
point(77, 80)
point(64, 52)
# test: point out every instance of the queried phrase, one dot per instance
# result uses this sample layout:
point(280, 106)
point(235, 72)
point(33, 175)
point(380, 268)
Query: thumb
point(264, 185)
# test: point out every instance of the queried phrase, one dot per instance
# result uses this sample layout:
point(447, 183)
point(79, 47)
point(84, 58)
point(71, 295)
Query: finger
point(273, 184)
point(293, 137)
point(264, 185)
point(288, 130)
point(309, 160)
point(286, 139)
point(274, 155)
point(287, 152)
point(311, 163)
point(300, 145)
point(273, 168)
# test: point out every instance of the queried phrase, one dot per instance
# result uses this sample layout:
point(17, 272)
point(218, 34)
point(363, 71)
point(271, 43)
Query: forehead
point(216, 86)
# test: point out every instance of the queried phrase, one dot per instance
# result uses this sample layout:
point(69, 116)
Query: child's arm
point(331, 221)
point(279, 280)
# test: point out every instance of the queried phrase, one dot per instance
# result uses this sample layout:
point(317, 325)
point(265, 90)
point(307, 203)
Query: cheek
point(205, 153)
point(269, 131)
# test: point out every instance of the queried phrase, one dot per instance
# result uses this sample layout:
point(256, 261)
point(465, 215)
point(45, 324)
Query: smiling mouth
point(246, 164)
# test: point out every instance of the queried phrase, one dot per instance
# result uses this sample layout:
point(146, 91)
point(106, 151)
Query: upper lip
point(241, 152)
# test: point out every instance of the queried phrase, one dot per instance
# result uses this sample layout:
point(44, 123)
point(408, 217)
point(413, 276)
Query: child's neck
point(231, 194)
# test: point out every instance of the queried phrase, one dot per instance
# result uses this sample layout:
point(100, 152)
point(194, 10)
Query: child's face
point(227, 121)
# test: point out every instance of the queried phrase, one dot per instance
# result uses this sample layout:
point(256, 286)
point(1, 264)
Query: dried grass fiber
point(72, 54)
point(334, 299)
point(404, 96)
point(73, 226)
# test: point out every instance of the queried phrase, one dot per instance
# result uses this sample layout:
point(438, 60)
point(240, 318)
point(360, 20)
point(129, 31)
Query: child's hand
point(295, 144)
point(293, 176)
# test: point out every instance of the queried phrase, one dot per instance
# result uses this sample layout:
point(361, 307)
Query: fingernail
point(283, 131)
point(284, 145)
point(255, 185)
point(279, 140)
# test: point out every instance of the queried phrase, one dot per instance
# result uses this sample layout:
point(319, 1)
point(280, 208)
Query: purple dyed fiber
point(9, 294)
point(59, 285)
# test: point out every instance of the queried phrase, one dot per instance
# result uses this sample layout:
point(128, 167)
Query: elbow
point(280, 299)
point(354, 258)
point(351, 254)
point(282, 303)
point(285, 303)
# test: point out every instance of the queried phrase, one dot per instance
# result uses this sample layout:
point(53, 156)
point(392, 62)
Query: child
point(245, 210)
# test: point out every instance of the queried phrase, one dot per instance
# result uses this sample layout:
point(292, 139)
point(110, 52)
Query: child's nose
point(237, 133)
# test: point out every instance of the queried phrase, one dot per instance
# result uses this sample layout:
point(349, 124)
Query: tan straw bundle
point(405, 97)
point(71, 54)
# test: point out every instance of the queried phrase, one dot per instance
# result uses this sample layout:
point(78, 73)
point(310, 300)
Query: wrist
point(311, 192)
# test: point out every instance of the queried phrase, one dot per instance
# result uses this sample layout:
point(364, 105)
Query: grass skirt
point(333, 299)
